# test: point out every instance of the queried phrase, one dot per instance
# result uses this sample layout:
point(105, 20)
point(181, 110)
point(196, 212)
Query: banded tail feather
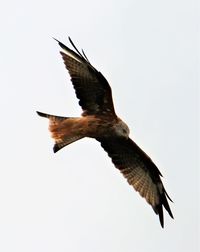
point(60, 130)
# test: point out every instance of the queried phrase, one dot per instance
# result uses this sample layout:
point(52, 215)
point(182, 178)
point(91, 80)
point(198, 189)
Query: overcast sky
point(76, 200)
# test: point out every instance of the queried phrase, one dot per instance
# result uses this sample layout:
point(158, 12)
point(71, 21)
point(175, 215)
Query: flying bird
point(100, 121)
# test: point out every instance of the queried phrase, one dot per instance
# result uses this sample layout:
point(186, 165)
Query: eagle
point(100, 121)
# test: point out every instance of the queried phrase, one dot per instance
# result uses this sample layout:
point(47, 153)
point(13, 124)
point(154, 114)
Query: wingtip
point(166, 204)
point(64, 47)
point(59, 41)
point(70, 40)
point(159, 209)
point(170, 213)
point(161, 217)
point(56, 40)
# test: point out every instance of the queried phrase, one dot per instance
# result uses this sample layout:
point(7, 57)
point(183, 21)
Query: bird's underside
point(99, 121)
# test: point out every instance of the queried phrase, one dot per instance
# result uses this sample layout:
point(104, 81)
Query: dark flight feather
point(91, 87)
point(140, 172)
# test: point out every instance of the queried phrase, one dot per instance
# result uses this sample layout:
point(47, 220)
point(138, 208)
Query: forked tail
point(61, 130)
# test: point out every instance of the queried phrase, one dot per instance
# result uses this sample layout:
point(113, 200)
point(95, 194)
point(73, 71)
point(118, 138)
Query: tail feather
point(51, 116)
point(64, 142)
point(60, 128)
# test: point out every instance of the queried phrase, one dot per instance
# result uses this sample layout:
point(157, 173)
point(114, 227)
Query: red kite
point(99, 121)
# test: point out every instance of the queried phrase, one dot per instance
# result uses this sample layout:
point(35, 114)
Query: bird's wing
point(91, 87)
point(140, 172)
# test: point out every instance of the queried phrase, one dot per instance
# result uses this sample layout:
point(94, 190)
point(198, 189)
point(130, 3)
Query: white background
point(76, 200)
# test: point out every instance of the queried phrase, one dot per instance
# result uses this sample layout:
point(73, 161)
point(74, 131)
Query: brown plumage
point(99, 121)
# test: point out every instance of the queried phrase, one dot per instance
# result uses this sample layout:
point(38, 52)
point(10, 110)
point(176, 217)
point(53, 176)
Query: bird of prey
point(99, 121)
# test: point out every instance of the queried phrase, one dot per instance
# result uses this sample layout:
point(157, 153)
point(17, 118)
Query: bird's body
point(66, 130)
point(99, 121)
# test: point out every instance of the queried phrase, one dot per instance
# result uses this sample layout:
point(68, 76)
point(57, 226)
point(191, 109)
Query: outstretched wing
point(140, 172)
point(91, 87)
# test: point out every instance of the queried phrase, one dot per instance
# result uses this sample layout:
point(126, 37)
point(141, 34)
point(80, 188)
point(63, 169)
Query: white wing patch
point(71, 55)
point(142, 182)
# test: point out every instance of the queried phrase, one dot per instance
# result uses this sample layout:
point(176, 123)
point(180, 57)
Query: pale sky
point(76, 200)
